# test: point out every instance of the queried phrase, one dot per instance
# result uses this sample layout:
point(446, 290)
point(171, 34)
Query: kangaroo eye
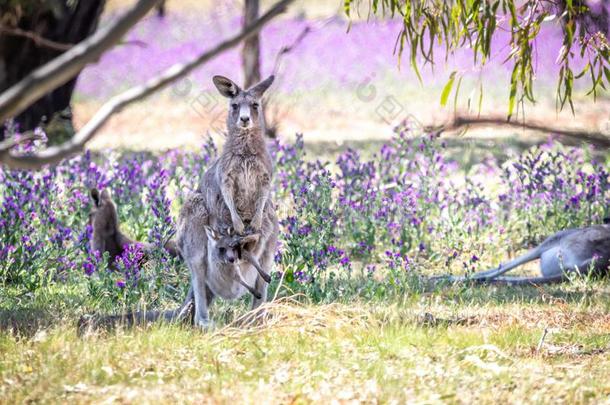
point(255, 105)
point(234, 106)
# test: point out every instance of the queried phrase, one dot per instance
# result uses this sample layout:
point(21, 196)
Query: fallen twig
point(541, 342)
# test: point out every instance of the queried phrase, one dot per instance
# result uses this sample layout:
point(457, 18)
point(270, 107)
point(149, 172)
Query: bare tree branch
point(274, 112)
point(55, 154)
point(459, 122)
point(10, 143)
point(67, 65)
point(37, 39)
point(286, 49)
point(58, 46)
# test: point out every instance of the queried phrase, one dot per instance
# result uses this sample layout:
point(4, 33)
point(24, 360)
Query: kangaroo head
point(226, 247)
point(245, 108)
point(103, 217)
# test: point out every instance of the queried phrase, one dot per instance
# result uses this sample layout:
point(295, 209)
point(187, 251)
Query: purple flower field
point(380, 182)
point(405, 211)
point(329, 56)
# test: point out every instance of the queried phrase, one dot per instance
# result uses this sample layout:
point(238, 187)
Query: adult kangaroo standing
point(244, 169)
point(234, 190)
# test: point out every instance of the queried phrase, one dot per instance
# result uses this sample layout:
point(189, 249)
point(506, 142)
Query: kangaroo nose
point(244, 119)
point(231, 260)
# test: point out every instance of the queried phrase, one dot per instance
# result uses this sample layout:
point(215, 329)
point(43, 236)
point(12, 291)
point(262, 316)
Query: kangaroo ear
point(250, 241)
point(258, 89)
point(95, 196)
point(105, 195)
point(226, 87)
point(211, 233)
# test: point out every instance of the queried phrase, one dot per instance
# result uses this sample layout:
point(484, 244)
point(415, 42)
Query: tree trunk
point(66, 23)
point(161, 9)
point(251, 52)
point(251, 56)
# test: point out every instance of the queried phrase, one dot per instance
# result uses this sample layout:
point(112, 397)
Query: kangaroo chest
point(224, 283)
point(249, 176)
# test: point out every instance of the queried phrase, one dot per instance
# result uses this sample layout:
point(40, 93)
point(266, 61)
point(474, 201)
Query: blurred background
point(339, 79)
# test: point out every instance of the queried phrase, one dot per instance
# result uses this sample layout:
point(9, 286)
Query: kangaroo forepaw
point(256, 294)
point(238, 226)
point(257, 223)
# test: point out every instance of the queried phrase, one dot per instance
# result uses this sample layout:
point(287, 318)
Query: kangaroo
point(228, 254)
point(224, 270)
point(243, 170)
point(579, 249)
point(107, 235)
point(198, 243)
point(234, 189)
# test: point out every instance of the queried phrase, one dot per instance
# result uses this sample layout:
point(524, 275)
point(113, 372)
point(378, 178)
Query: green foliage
point(474, 23)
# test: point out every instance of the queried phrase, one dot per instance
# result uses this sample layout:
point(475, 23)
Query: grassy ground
point(454, 345)
point(418, 344)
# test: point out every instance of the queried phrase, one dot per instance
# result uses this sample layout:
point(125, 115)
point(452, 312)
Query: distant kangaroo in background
point(580, 249)
point(107, 235)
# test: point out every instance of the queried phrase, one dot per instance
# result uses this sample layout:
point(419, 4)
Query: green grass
point(454, 345)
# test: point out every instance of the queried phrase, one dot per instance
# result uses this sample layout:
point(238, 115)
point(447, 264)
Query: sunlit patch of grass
point(305, 352)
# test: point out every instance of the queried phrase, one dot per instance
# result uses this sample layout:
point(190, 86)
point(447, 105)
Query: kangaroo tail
point(506, 267)
point(493, 273)
point(527, 280)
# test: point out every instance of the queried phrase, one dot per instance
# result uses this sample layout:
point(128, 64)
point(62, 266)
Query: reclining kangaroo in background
point(236, 188)
point(580, 250)
point(107, 235)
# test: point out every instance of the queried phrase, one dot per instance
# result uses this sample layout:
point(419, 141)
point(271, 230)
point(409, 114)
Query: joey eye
point(222, 250)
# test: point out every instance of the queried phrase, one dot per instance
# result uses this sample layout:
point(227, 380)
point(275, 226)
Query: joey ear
point(211, 233)
point(249, 241)
point(226, 87)
point(95, 196)
point(259, 89)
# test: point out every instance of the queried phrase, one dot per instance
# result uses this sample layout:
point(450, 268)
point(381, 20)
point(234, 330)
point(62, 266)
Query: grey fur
point(570, 250)
point(107, 235)
point(235, 189)
point(211, 275)
point(244, 169)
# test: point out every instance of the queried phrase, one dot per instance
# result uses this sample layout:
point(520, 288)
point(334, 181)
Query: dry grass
point(304, 353)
